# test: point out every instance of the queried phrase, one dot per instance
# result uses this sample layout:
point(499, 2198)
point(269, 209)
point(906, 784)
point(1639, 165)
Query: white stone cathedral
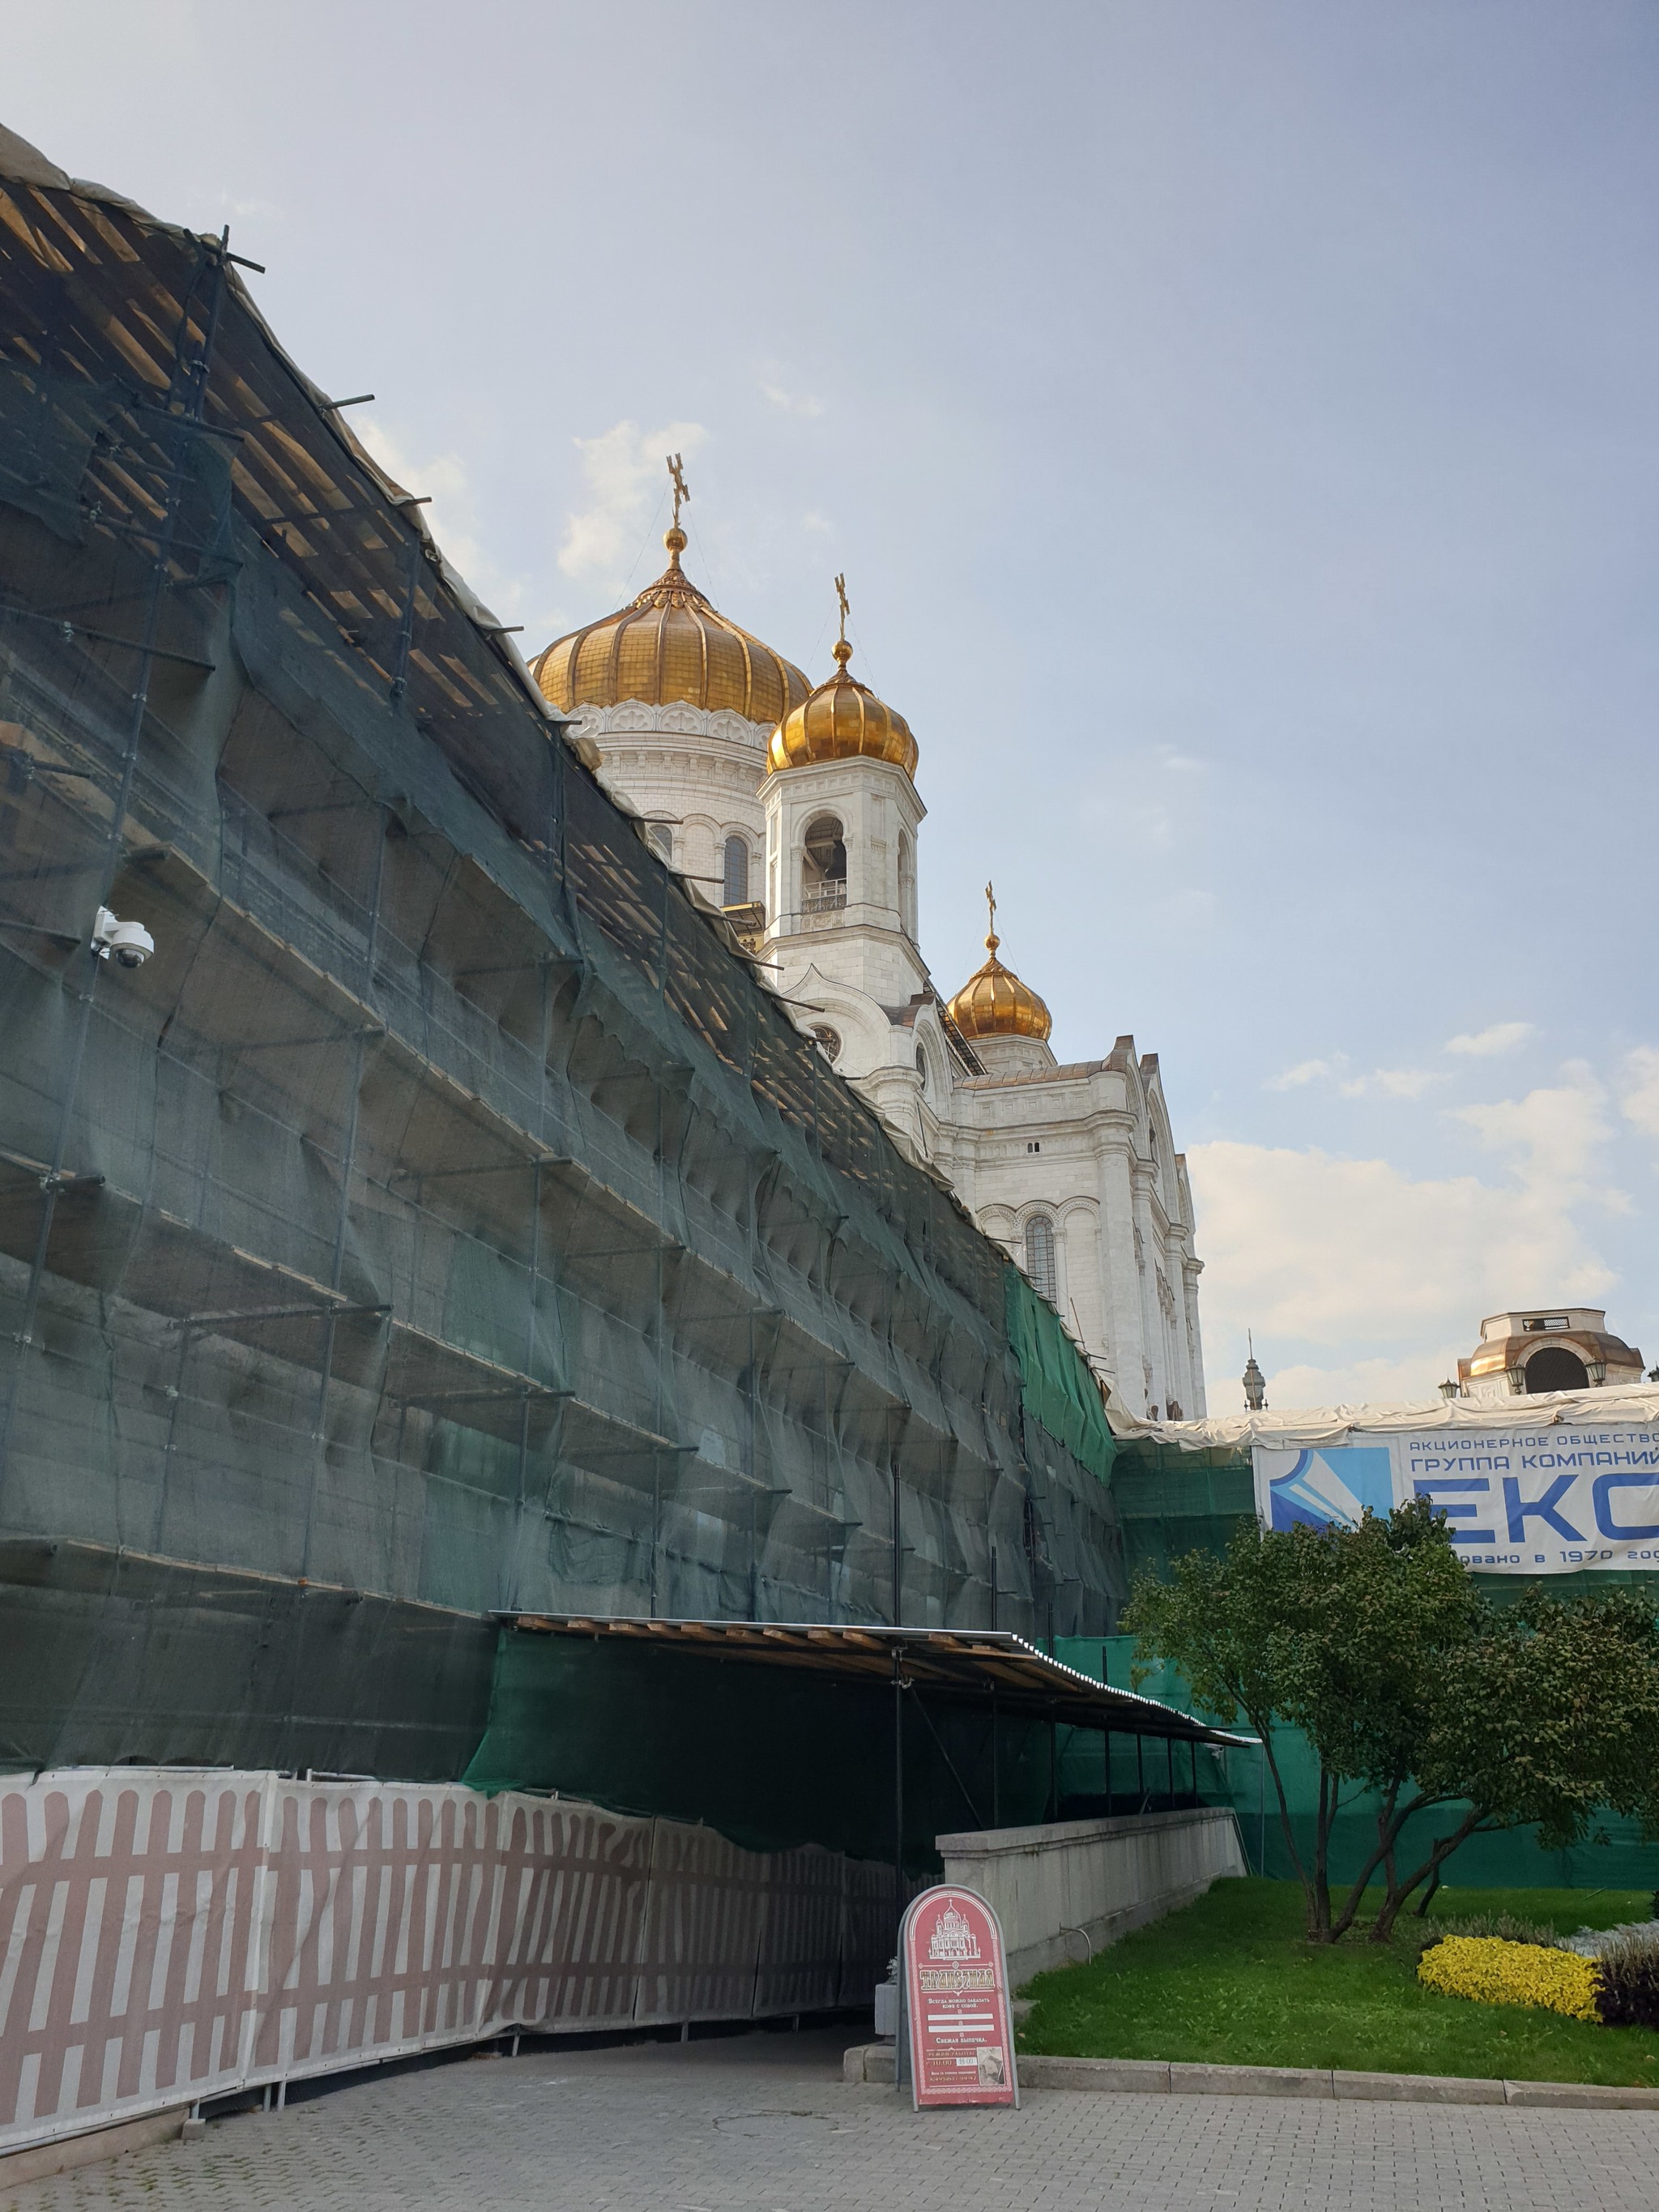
point(796, 810)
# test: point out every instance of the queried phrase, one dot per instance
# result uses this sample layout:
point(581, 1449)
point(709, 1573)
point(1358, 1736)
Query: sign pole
point(898, 1786)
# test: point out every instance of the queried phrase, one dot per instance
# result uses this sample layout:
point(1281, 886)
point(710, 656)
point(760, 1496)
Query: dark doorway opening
point(1555, 1367)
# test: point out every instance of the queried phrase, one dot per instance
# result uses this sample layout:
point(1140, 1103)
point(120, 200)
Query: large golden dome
point(668, 644)
point(993, 1002)
point(841, 720)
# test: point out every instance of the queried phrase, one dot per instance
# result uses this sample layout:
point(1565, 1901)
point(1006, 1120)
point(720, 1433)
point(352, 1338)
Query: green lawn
point(1231, 1981)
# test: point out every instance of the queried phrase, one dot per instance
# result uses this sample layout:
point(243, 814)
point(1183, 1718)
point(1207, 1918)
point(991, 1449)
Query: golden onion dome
point(993, 1002)
point(842, 720)
point(668, 644)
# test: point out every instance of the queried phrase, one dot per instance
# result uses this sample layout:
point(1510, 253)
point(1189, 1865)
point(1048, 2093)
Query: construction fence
point(168, 1937)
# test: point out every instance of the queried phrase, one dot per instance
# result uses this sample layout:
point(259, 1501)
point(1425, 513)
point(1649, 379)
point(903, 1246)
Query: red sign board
point(956, 2000)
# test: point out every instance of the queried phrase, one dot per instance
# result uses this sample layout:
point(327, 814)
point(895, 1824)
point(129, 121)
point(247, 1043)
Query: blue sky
point(1238, 422)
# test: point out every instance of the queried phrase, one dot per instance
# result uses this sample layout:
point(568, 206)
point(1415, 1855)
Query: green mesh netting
point(770, 1757)
point(1239, 1778)
point(1171, 1501)
point(1056, 1389)
point(444, 1221)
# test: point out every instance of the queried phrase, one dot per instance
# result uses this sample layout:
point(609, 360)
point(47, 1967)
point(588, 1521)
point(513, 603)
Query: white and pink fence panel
point(168, 1936)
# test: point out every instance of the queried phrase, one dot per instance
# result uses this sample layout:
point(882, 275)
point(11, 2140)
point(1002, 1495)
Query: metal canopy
point(975, 1664)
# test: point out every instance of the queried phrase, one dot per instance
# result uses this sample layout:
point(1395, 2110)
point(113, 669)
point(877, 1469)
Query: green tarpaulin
point(1057, 1390)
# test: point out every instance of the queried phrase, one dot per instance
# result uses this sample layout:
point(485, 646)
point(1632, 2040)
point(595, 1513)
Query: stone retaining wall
point(1064, 1891)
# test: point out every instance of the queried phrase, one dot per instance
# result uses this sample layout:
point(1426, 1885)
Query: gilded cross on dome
point(677, 471)
point(843, 651)
point(992, 940)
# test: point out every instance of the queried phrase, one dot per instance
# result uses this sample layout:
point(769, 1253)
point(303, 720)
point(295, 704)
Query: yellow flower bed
point(1493, 1972)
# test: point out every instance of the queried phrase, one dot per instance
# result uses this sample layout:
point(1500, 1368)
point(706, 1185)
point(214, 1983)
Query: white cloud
point(819, 523)
point(1488, 1043)
point(1381, 1083)
point(1639, 1090)
point(1551, 1139)
point(1188, 906)
point(1389, 1272)
point(1314, 1249)
point(800, 403)
point(1150, 795)
point(625, 480)
point(1305, 1071)
point(1390, 1082)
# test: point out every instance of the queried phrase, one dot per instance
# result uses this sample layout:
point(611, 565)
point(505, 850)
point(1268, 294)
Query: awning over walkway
point(971, 1665)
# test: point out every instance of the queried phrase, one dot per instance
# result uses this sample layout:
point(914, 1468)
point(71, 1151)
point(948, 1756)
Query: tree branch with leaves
point(1413, 1688)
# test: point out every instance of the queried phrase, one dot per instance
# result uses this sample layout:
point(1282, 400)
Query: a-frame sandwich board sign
point(956, 2029)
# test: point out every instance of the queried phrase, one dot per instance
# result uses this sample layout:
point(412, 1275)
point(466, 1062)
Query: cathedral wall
point(1090, 1149)
point(698, 775)
point(1081, 1175)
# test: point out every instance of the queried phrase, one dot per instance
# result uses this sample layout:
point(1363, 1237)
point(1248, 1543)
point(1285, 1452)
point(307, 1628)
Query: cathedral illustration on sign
point(952, 1938)
point(795, 809)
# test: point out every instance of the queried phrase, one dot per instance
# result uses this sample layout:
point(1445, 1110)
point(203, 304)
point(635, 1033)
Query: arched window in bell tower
point(1041, 1263)
point(735, 869)
point(823, 865)
point(906, 884)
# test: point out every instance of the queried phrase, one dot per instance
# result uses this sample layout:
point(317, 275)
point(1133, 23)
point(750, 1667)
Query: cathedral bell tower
point(842, 812)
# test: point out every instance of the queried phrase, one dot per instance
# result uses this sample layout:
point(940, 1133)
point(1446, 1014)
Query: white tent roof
point(1636, 1405)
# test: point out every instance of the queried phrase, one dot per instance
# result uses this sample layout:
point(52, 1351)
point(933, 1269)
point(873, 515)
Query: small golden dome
point(668, 644)
point(841, 720)
point(993, 1002)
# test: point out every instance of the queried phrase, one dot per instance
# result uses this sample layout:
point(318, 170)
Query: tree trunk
point(1389, 1822)
point(1318, 1889)
point(1400, 1892)
point(1264, 1732)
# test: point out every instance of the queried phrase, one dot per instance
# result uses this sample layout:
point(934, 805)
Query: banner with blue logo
point(1529, 1501)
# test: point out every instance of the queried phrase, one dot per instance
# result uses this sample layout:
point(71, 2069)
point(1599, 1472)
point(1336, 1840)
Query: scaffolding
point(445, 1220)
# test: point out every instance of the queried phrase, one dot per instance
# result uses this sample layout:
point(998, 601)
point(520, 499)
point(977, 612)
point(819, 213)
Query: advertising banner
point(1519, 1501)
point(955, 2000)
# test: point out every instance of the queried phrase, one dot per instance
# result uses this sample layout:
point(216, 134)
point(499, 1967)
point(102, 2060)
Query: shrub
point(1503, 1925)
point(1627, 1988)
point(1494, 1971)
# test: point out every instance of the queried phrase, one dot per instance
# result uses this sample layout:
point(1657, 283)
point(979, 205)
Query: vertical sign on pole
point(957, 2021)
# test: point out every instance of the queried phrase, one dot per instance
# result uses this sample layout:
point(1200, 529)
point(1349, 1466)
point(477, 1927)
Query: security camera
point(129, 941)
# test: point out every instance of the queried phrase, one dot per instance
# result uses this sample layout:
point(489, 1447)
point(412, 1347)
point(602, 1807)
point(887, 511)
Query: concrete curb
point(37, 2161)
point(1156, 2077)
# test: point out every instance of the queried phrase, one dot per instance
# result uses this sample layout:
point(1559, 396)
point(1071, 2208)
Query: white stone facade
point(695, 775)
point(1088, 1148)
point(1085, 1149)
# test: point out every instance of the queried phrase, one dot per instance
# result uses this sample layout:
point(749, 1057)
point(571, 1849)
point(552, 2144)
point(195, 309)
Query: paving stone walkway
point(763, 2124)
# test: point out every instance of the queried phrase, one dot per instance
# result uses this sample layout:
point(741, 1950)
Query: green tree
point(1376, 1645)
point(1339, 1632)
point(1548, 1715)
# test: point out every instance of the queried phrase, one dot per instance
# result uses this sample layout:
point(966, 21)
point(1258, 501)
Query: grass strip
point(1231, 1981)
